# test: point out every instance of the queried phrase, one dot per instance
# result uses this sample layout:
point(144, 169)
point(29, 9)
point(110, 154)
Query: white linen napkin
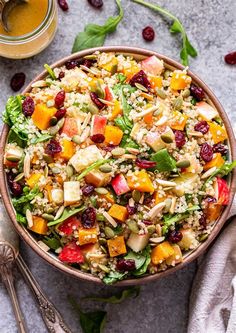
point(213, 297)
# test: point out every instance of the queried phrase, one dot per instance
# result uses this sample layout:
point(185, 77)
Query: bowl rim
point(49, 258)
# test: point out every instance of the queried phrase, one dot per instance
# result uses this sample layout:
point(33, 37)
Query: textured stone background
point(211, 25)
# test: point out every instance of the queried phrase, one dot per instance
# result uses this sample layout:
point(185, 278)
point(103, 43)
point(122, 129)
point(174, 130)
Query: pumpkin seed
point(55, 170)
point(161, 93)
point(91, 57)
point(104, 250)
point(104, 268)
point(167, 138)
point(53, 121)
point(47, 158)
point(48, 217)
point(203, 237)
point(76, 139)
point(12, 158)
point(46, 171)
point(118, 152)
point(183, 164)
point(106, 168)
point(19, 177)
point(69, 171)
point(141, 87)
point(157, 240)
point(186, 93)
point(109, 232)
point(55, 129)
point(132, 225)
point(167, 74)
point(208, 173)
point(100, 217)
point(84, 266)
point(136, 195)
point(59, 213)
point(92, 108)
point(102, 241)
point(114, 69)
point(178, 103)
point(101, 190)
point(151, 229)
point(49, 210)
point(97, 89)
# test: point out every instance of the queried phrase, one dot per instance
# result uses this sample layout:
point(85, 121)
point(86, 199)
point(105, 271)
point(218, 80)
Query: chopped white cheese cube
point(71, 192)
point(85, 157)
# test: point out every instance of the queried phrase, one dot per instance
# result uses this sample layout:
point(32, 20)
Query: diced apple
point(135, 131)
point(71, 192)
point(97, 178)
point(138, 242)
point(85, 157)
point(98, 125)
point(221, 191)
point(184, 183)
point(154, 140)
point(120, 185)
point(188, 240)
point(13, 154)
point(176, 258)
point(57, 196)
point(206, 111)
point(152, 65)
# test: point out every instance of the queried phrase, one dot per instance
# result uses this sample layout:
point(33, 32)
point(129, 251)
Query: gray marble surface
point(162, 306)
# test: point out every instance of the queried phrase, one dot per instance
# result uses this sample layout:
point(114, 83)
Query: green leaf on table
point(187, 48)
point(94, 35)
point(116, 299)
point(66, 214)
point(91, 322)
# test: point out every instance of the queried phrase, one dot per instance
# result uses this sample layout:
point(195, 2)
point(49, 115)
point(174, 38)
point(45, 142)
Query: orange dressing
point(25, 18)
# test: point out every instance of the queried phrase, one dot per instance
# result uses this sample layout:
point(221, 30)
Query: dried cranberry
point(60, 113)
point(206, 152)
point(147, 222)
point(203, 221)
point(140, 78)
point(60, 98)
point(61, 75)
point(210, 200)
point(63, 4)
point(125, 265)
point(16, 189)
point(70, 64)
point(148, 34)
point(88, 218)
point(87, 190)
point(109, 147)
point(132, 209)
point(148, 199)
point(87, 63)
point(96, 3)
point(230, 58)
point(17, 81)
point(97, 138)
point(145, 164)
point(96, 101)
point(53, 147)
point(28, 106)
point(220, 148)
point(175, 236)
point(202, 127)
point(180, 139)
point(10, 178)
point(197, 92)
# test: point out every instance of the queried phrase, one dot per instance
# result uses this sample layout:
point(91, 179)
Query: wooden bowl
point(139, 54)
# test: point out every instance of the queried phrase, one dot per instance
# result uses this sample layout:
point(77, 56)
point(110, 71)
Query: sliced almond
point(85, 134)
point(156, 210)
point(43, 246)
point(59, 213)
point(195, 133)
point(173, 204)
point(26, 168)
point(29, 218)
point(133, 151)
point(145, 112)
point(39, 84)
point(157, 240)
point(166, 183)
point(104, 101)
point(110, 219)
point(86, 121)
point(161, 121)
point(91, 70)
point(208, 173)
point(129, 156)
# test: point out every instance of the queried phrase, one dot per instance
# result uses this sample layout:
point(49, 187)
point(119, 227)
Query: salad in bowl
point(117, 165)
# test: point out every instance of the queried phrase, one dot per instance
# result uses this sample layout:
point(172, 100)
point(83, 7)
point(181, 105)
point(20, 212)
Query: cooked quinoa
point(117, 165)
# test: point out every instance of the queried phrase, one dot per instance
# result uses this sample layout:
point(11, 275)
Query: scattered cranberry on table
point(230, 58)
point(148, 34)
point(63, 5)
point(17, 81)
point(96, 3)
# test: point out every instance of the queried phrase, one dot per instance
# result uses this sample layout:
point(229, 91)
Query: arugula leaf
point(52, 242)
point(65, 215)
point(20, 203)
point(50, 71)
point(13, 137)
point(139, 258)
point(121, 78)
point(223, 171)
point(165, 162)
point(113, 276)
point(20, 218)
point(143, 269)
point(176, 27)
point(116, 299)
point(91, 167)
point(91, 322)
point(94, 35)
point(127, 142)
point(40, 138)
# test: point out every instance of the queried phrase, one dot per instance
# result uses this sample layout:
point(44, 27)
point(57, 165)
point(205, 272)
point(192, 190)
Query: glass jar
point(25, 46)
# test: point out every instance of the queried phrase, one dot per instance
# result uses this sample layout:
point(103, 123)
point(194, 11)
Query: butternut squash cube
point(178, 121)
point(176, 258)
point(217, 161)
point(161, 252)
point(88, 236)
point(39, 225)
point(42, 115)
point(140, 181)
point(68, 150)
point(118, 212)
point(33, 179)
point(116, 110)
point(218, 132)
point(113, 135)
point(116, 246)
point(179, 80)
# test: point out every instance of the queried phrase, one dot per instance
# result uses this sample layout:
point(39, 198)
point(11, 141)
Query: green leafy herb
point(66, 214)
point(20, 203)
point(94, 35)
point(113, 276)
point(143, 269)
point(223, 171)
point(91, 167)
point(176, 27)
point(164, 160)
point(91, 322)
point(127, 142)
point(52, 242)
point(121, 78)
point(50, 71)
point(116, 299)
point(13, 137)
point(40, 138)
point(139, 258)
point(20, 218)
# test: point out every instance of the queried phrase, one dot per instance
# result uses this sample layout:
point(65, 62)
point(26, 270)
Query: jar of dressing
point(32, 26)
